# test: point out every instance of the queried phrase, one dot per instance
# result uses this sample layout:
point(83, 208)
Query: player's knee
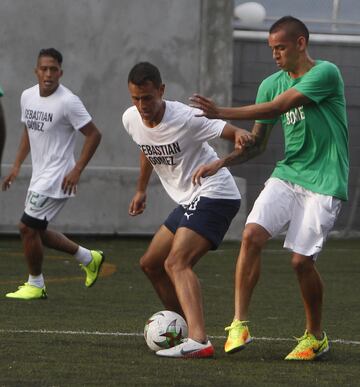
point(253, 237)
point(170, 267)
point(144, 264)
point(25, 230)
point(301, 263)
point(147, 266)
point(173, 264)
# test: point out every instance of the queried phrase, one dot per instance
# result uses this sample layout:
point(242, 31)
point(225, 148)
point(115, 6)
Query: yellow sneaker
point(28, 292)
point(93, 268)
point(238, 336)
point(309, 347)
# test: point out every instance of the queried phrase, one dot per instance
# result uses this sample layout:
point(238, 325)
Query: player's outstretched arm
point(282, 103)
point(92, 141)
point(241, 153)
point(207, 105)
point(206, 170)
point(23, 151)
point(138, 202)
point(240, 137)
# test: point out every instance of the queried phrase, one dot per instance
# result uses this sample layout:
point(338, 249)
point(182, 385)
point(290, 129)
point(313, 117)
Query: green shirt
point(316, 134)
point(1, 92)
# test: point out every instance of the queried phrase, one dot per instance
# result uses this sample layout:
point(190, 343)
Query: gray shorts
point(40, 209)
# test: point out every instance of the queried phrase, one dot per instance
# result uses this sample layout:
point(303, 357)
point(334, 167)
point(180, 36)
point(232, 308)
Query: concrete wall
point(252, 63)
point(102, 206)
point(190, 41)
point(100, 41)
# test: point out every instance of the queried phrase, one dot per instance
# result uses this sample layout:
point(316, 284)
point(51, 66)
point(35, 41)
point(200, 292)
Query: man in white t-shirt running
point(173, 142)
point(52, 116)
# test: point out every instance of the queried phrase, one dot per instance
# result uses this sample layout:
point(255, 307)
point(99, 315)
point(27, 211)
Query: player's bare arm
point(2, 132)
point(23, 151)
point(239, 136)
point(241, 153)
point(281, 104)
point(92, 140)
point(138, 202)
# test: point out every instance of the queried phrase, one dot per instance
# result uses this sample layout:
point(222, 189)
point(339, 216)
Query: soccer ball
point(164, 329)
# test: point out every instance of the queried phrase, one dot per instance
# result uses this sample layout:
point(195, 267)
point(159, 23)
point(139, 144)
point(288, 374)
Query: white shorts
point(306, 216)
point(40, 209)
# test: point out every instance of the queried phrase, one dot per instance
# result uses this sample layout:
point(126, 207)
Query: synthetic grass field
point(93, 337)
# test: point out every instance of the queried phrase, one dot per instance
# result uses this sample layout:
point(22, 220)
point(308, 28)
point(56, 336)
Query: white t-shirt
point(177, 146)
point(52, 123)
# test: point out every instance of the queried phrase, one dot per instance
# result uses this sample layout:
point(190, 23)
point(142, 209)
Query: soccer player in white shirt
point(52, 115)
point(173, 142)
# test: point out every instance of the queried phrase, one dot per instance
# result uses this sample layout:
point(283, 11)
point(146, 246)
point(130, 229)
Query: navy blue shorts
point(208, 217)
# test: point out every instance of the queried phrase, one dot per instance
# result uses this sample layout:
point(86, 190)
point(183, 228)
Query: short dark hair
point(144, 72)
point(52, 52)
point(292, 25)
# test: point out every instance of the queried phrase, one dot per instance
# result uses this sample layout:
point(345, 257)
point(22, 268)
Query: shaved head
point(294, 27)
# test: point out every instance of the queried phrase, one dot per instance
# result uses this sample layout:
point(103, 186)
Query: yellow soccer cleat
point(309, 347)
point(93, 268)
point(28, 292)
point(238, 336)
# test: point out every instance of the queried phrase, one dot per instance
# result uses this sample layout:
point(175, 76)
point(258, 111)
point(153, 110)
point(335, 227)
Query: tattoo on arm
point(239, 156)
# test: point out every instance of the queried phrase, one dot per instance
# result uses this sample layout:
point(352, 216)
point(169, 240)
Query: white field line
point(287, 252)
point(97, 333)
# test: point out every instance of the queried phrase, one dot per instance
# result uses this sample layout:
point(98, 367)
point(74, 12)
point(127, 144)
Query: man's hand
point(209, 108)
point(6, 184)
point(205, 171)
point(138, 203)
point(69, 184)
point(243, 139)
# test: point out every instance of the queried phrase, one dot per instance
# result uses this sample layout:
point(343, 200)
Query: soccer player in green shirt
point(303, 196)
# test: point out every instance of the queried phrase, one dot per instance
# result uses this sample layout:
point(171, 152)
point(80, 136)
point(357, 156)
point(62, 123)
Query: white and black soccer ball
point(165, 329)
